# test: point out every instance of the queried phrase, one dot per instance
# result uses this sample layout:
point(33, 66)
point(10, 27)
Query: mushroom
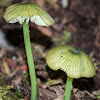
point(73, 61)
point(22, 13)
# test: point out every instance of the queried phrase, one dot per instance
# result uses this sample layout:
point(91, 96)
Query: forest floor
point(79, 25)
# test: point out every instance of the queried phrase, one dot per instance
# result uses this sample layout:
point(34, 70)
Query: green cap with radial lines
point(71, 60)
point(27, 11)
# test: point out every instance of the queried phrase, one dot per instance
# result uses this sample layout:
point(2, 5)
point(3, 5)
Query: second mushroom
point(73, 61)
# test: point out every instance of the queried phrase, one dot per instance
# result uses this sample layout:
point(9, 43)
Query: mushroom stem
point(30, 60)
point(68, 88)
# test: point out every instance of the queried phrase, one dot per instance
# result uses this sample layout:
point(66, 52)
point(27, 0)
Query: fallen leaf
point(52, 2)
point(23, 68)
point(20, 57)
point(16, 81)
point(45, 31)
point(64, 20)
point(6, 68)
point(40, 3)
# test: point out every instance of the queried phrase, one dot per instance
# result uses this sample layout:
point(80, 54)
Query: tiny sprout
point(73, 61)
point(22, 13)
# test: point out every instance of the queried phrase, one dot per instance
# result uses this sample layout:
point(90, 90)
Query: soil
point(81, 21)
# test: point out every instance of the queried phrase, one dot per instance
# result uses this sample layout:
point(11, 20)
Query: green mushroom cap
point(27, 11)
point(71, 60)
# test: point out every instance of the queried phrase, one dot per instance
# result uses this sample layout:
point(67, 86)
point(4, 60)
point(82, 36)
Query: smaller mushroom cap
point(27, 11)
point(71, 60)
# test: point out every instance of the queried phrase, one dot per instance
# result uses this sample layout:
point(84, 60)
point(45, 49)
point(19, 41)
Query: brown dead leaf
point(6, 67)
point(45, 31)
point(23, 68)
point(40, 3)
point(52, 2)
point(58, 90)
point(16, 81)
point(64, 20)
point(21, 60)
point(2, 52)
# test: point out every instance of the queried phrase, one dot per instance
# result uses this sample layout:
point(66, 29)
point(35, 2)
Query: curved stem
point(68, 88)
point(30, 60)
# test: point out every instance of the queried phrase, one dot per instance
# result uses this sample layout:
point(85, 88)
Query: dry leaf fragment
point(6, 68)
point(23, 68)
point(16, 81)
point(40, 3)
point(45, 31)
